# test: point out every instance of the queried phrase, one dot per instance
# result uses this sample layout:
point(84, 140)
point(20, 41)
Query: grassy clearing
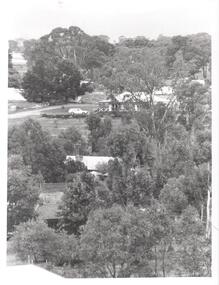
point(55, 126)
point(93, 97)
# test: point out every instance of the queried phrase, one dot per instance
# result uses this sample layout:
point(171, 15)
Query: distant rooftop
point(91, 162)
point(18, 59)
point(15, 95)
point(163, 95)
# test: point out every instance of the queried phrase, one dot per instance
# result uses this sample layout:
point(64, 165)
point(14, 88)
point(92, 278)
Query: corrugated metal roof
point(91, 162)
point(18, 58)
point(162, 95)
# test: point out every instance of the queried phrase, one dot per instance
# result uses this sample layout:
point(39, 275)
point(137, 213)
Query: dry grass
point(56, 126)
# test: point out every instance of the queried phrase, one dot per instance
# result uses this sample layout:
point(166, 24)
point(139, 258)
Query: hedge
point(63, 116)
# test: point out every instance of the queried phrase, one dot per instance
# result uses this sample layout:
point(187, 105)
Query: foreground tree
point(38, 150)
point(116, 243)
point(193, 248)
point(59, 81)
point(23, 194)
point(78, 201)
point(35, 242)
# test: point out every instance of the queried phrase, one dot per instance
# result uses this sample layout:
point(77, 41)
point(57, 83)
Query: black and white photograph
point(109, 138)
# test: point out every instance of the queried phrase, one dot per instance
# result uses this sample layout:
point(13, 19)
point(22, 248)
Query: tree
point(84, 51)
point(196, 185)
point(193, 250)
point(139, 71)
point(194, 103)
point(161, 236)
point(72, 141)
point(78, 201)
point(14, 79)
point(140, 188)
point(99, 129)
point(23, 194)
point(38, 150)
point(116, 242)
point(127, 143)
point(73, 166)
point(173, 197)
point(58, 81)
point(35, 242)
point(173, 156)
point(164, 119)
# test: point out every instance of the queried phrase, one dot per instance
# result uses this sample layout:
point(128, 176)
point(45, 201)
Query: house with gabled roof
point(120, 101)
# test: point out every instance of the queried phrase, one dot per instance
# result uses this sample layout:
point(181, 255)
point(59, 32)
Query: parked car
point(77, 111)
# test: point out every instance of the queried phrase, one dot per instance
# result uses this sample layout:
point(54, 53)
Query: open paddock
point(56, 126)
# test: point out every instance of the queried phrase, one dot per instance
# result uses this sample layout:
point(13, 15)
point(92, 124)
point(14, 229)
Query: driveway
point(35, 112)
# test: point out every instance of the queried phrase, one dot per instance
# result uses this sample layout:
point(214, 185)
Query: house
point(200, 81)
point(128, 100)
point(93, 163)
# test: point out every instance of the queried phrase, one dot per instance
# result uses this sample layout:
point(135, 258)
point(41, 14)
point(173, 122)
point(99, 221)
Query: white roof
point(15, 95)
point(17, 58)
point(91, 162)
point(201, 81)
point(165, 90)
point(163, 95)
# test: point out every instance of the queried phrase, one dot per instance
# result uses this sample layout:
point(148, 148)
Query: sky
point(150, 18)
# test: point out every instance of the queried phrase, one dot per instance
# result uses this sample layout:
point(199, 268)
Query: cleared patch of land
point(55, 126)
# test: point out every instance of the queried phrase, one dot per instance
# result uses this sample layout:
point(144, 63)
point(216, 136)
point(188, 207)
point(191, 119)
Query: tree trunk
point(202, 211)
point(155, 261)
point(75, 58)
point(204, 71)
point(208, 218)
point(163, 261)
point(208, 212)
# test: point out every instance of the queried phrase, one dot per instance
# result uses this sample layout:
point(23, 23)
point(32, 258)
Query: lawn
point(55, 126)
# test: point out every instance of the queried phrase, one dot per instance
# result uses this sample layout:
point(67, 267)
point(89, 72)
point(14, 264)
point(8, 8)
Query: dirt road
point(34, 112)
